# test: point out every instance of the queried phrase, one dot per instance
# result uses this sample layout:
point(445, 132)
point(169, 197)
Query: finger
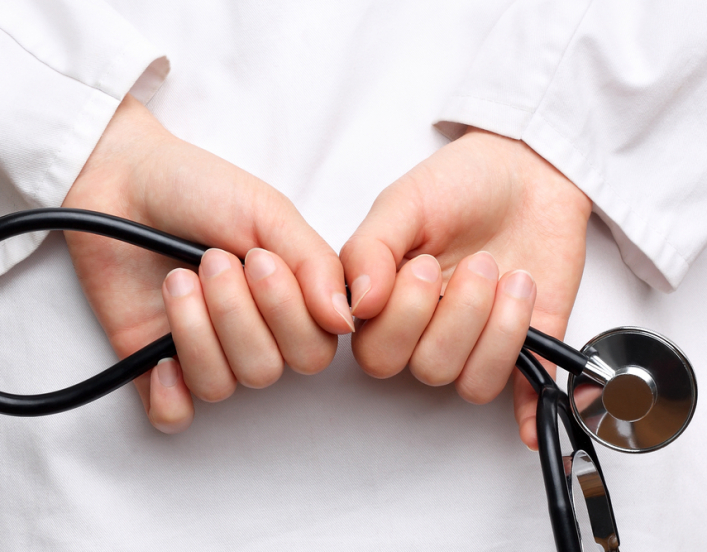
point(384, 344)
point(165, 396)
point(171, 406)
point(250, 214)
point(142, 384)
point(491, 362)
point(371, 256)
point(305, 346)
point(371, 269)
point(458, 321)
point(246, 340)
point(204, 364)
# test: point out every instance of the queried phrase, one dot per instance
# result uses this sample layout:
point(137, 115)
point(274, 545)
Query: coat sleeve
point(613, 95)
point(65, 66)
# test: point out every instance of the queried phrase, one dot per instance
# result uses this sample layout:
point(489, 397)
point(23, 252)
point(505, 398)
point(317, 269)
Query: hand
point(228, 324)
point(481, 206)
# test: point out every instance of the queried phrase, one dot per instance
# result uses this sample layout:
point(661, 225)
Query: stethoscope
point(630, 389)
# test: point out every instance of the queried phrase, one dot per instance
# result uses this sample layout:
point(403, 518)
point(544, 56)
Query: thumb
point(372, 256)
point(318, 271)
point(220, 205)
point(257, 215)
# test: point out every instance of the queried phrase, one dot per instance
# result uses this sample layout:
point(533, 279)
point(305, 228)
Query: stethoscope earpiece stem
point(556, 351)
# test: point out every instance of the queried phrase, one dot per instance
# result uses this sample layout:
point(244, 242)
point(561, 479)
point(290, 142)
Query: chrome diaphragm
point(648, 394)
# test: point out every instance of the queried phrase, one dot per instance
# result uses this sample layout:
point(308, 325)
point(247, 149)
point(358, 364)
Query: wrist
point(533, 171)
point(106, 182)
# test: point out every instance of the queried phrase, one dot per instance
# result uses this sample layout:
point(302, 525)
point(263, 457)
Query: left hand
point(230, 324)
point(481, 206)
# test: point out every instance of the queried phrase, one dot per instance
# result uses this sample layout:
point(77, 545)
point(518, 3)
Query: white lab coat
point(330, 104)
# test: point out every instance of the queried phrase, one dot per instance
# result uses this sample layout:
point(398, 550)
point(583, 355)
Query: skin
point(480, 207)
point(229, 324)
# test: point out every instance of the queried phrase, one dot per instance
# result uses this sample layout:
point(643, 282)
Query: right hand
point(481, 193)
point(228, 324)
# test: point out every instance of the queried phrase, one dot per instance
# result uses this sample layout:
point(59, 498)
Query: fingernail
point(259, 264)
point(167, 372)
point(341, 305)
point(425, 267)
point(483, 264)
point(179, 282)
point(519, 285)
point(359, 288)
point(531, 450)
point(214, 262)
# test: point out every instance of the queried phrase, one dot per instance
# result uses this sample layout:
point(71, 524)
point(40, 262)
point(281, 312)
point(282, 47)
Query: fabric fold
point(597, 88)
point(71, 62)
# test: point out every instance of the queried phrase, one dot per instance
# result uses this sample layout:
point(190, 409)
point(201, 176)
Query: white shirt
point(330, 104)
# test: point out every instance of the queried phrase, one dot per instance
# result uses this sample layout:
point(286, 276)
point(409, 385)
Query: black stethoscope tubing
point(139, 362)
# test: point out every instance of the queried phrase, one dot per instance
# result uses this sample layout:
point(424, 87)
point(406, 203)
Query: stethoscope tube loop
point(102, 224)
point(91, 389)
point(182, 250)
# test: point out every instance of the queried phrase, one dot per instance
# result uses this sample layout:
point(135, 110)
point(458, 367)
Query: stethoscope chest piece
point(649, 394)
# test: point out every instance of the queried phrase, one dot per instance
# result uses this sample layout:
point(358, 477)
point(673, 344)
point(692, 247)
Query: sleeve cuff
point(486, 114)
point(646, 251)
point(609, 94)
point(62, 105)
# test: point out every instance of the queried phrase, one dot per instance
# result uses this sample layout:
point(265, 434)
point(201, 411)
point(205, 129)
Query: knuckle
point(376, 363)
point(216, 391)
point(314, 357)
point(263, 373)
point(429, 370)
point(510, 329)
point(187, 329)
point(473, 392)
point(328, 255)
point(477, 302)
point(421, 305)
point(281, 305)
point(350, 247)
point(226, 306)
point(171, 420)
point(378, 371)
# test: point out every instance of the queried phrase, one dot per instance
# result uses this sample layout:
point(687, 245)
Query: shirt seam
point(563, 54)
point(532, 110)
point(40, 60)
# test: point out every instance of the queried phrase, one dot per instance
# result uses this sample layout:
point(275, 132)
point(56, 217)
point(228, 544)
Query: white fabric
point(612, 94)
point(66, 66)
point(331, 103)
